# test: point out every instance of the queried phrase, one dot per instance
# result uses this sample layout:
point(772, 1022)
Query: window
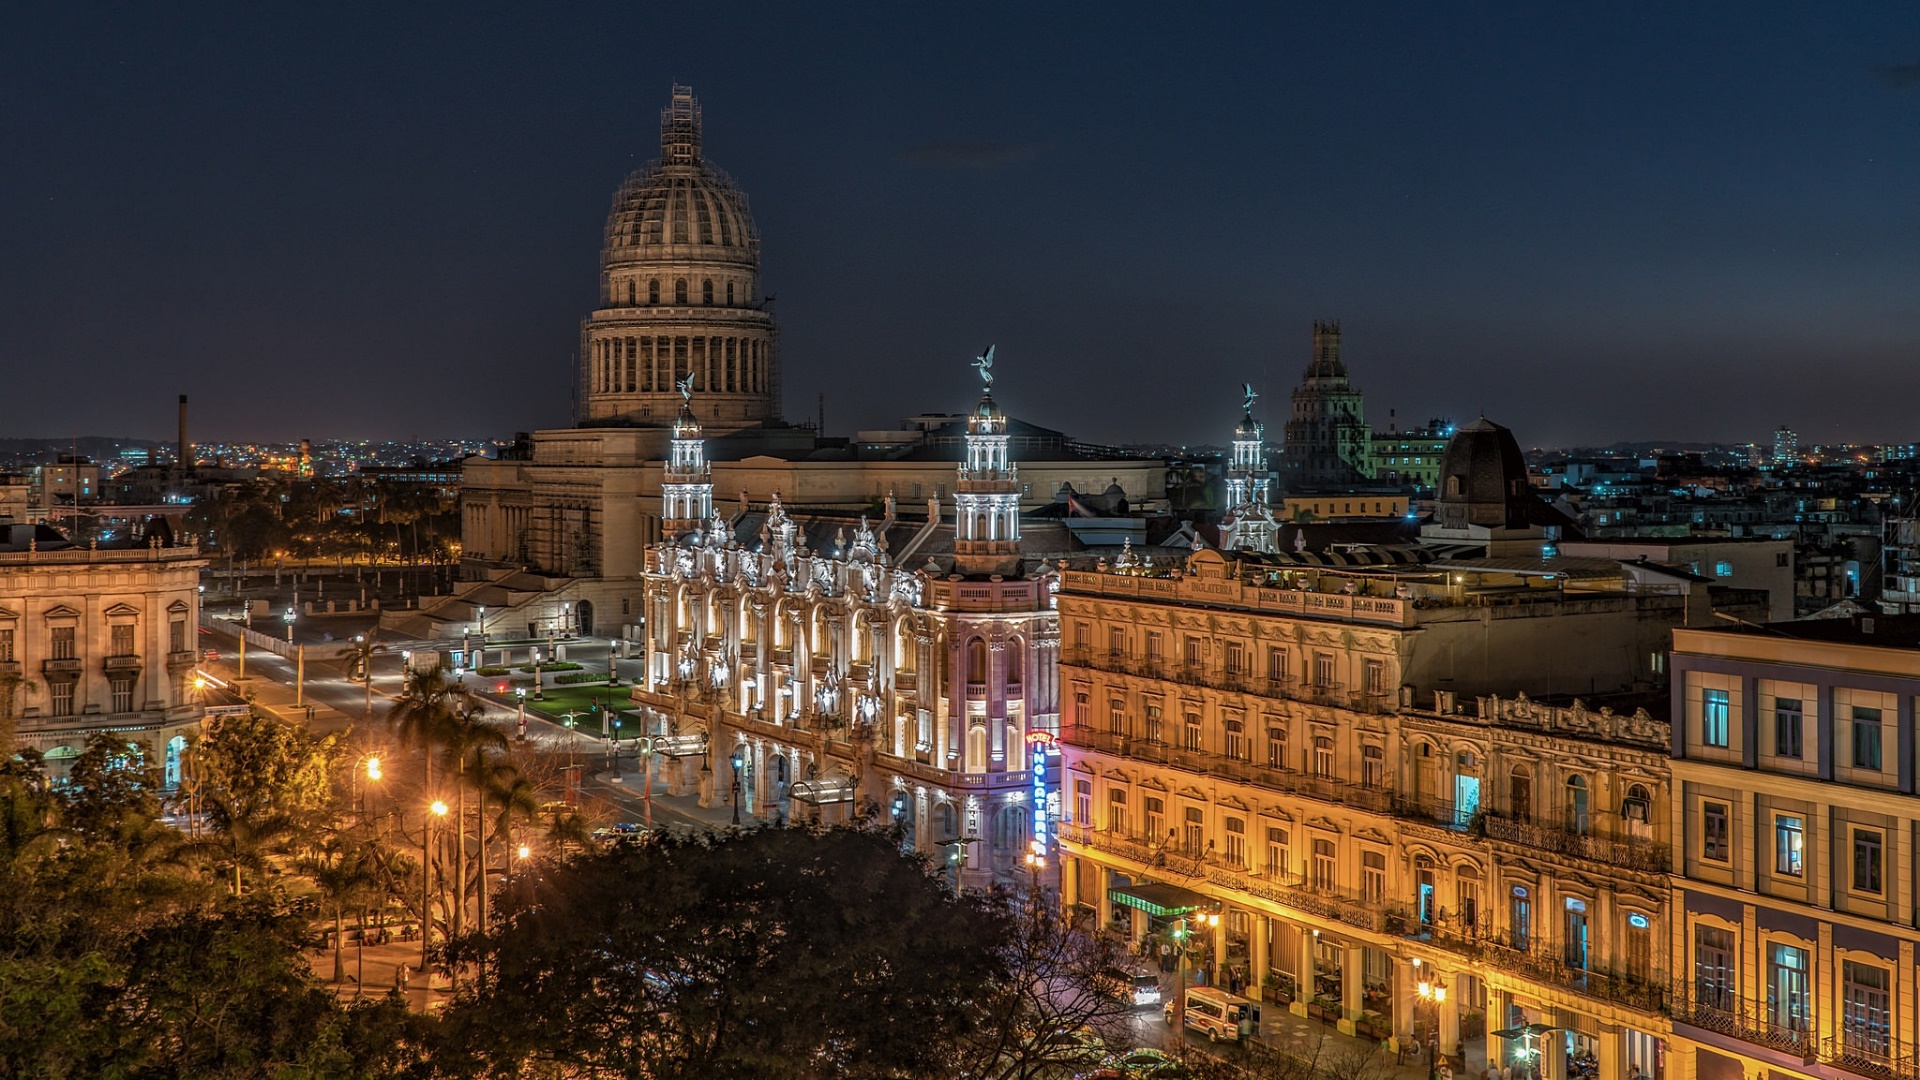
point(680, 292)
point(1276, 663)
point(1520, 919)
point(729, 294)
point(1080, 707)
point(1789, 728)
point(1156, 648)
point(1866, 738)
point(1154, 734)
point(1373, 877)
point(1322, 756)
point(1326, 866)
point(1236, 658)
point(1237, 748)
point(1373, 767)
point(1116, 642)
point(1196, 831)
point(1117, 811)
point(122, 686)
point(1190, 652)
point(1279, 857)
point(1715, 716)
point(1865, 1008)
point(6, 645)
point(62, 642)
point(61, 693)
point(1714, 975)
point(1787, 1006)
point(1156, 818)
point(1236, 842)
point(1190, 735)
point(1866, 860)
point(1117, 717)
point(653, 292)
point(177, 636)
point(1083, 801)
point(1716, 841)
point(1376, 678)
point(1323, 669)
point(1277, 748)
point(1722, 568)
point(120, 640)
point(1579, 818)
point(706, 292)
point(1788, 834)
point(1520, 794)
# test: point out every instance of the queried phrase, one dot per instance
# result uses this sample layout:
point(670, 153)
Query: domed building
point(679, 295)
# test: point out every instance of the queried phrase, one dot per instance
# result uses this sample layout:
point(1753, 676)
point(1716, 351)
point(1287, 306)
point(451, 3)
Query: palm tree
point(359, 655)
point(469, 741)
point(502, 788)
point(344, 877)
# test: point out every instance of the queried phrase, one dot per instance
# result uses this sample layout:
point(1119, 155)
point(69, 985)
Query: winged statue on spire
point(685, 386)
point(985, 363)
point(1250, 393)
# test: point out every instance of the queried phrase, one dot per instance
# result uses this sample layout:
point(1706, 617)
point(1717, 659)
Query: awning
point(679, 745)
point(834, 789)
point(1160, 900)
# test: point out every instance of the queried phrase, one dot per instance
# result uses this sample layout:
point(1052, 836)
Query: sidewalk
point(379, 965)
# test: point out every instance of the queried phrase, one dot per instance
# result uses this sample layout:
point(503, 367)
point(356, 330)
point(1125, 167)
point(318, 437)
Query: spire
point(987, 499)
point(680, 128)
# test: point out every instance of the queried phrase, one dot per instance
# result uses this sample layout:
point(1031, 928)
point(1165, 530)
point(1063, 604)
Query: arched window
point(1013, 664)
point(1577, 816)
point(680, 291)
point(976, 661)
point(1373, 767)
point(729, 294)
point(706, 292)
point(977, 749)
point(1637, 810)
point(653, 292)
point(1520, 793)
point(630, 293)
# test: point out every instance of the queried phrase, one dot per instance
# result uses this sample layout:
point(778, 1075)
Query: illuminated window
point(1716, 844)
point(1789, 835)
point(1715, 714)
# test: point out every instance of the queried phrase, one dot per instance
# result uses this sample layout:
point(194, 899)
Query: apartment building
point(1440, 765)
point(1796, 888)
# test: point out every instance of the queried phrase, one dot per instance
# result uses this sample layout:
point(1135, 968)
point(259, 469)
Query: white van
point(1216, 1012)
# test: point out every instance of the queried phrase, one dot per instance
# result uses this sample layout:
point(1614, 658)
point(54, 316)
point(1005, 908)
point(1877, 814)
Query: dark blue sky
point(1680, 221)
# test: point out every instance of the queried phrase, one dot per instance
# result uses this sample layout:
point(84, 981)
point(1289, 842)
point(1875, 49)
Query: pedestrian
point(406, 971)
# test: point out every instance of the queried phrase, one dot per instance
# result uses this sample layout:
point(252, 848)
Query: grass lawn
point(580, 698)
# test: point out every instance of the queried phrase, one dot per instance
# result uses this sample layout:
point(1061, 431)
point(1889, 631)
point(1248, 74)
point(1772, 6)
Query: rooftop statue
point(685, 386)
point(1251, 395)
point(985, 363)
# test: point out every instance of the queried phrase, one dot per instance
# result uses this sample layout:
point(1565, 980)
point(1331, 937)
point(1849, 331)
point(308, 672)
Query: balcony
point(62, 667)
point(180, 661)
point(117, 664)
point(10, 669)
point(1716, 1009)
point(1631, 852)
point(1870, 1053)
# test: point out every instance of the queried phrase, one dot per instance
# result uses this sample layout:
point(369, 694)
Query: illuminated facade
point(1248, 524)
point(853, 667)
point(679, 294)
point(95, 639)
point(1796, 885)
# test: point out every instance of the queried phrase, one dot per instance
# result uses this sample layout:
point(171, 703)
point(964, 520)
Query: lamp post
point(1180, 961)
point(436, 809)
point(520, 694)
point(287, 617)
point(1433, 993)
point(613, 752)
point(737, 761)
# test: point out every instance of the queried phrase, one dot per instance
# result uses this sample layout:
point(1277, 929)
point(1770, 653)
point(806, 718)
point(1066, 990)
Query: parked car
point(626, 832)
point(1133, 987)
point(1215, 1012)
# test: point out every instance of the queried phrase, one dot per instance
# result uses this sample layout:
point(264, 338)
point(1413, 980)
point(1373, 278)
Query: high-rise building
point(1786, 447)
point(1328, 443)
point(679, 295)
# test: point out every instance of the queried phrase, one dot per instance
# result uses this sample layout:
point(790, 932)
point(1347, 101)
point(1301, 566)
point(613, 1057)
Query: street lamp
point(288, 617)
point(738, 760)
point(1200, 919)
point(613, 751)
point(1433, 993)
point(437, 809)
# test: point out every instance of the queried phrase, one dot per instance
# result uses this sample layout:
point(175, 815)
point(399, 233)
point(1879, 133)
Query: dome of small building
point(1483, 479)
point(1249, 429)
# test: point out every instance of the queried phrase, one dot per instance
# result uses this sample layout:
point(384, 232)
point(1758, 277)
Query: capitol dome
point(679, 295)
point(1483, 479)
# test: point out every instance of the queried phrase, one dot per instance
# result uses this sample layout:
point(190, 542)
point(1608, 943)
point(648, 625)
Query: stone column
point(1259, 947)
point(1498, 1010)
point(1449, 1012)
point(1613, 1054)
point(1309, 980)
point(1352, 965)
point(1553, 1051)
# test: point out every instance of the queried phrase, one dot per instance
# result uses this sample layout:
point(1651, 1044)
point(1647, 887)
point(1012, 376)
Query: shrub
point(557, 665)
point(492, 669)
point(579, 677)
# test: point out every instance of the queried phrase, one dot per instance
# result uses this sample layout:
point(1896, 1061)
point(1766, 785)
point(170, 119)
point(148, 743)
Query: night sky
point(1669, 221)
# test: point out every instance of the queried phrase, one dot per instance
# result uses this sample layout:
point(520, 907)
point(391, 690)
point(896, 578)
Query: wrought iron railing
point(1717, 1008)
point(1632, 852)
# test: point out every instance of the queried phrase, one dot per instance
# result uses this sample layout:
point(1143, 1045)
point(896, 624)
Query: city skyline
point(1580, 227)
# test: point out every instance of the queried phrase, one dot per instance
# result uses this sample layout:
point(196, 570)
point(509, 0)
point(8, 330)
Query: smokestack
point(186, 448)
